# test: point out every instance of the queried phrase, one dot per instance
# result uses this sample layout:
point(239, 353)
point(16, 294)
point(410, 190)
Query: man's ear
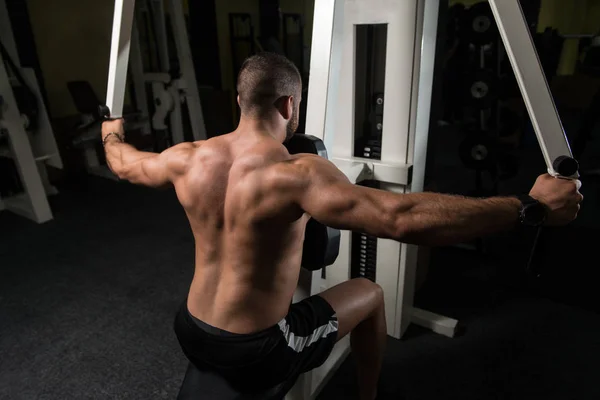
point(289, 107)
point(285, 106)
point(238, 99)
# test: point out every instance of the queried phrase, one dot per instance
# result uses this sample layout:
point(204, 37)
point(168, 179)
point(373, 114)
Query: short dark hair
point(264, 78)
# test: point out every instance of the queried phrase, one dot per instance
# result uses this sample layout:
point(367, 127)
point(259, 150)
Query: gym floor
point(87, 302)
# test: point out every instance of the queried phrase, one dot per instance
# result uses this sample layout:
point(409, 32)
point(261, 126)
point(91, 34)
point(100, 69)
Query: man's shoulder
point(291, 174)
point(306, 160)
point(296, 164)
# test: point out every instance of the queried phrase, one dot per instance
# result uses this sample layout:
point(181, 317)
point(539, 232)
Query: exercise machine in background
point(162, 87)
point(481, 95)
point(27, 143)
point(88, 131)
point(161, 59)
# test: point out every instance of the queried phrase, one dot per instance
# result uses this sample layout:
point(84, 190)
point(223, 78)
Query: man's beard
point(292, 125)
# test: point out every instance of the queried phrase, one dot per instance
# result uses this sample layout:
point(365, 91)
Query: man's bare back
point(248, 243)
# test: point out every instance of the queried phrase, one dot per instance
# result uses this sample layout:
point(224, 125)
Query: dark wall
point(23, 35)
point(204, 42)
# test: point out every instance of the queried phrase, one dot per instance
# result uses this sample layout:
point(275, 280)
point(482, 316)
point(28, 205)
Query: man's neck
point(262, 127)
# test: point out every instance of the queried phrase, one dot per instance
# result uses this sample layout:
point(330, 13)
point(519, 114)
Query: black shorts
point(299, 343)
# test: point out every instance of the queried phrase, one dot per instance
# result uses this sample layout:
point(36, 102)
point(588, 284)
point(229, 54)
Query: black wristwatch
point(532, 213)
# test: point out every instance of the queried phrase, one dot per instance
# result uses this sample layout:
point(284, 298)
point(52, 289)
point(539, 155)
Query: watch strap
point(526, 203)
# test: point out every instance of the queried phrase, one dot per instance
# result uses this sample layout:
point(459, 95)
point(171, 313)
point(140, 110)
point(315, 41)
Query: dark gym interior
point(87, 299)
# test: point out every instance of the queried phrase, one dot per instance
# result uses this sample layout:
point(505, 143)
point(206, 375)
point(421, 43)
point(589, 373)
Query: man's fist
point(560, 196)
point(113, 127)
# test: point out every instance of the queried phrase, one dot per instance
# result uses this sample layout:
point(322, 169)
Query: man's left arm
point(142, 167)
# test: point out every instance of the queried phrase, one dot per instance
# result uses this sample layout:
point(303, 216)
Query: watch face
point(534, 214)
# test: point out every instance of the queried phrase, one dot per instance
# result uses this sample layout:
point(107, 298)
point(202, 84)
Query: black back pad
point(321, 243)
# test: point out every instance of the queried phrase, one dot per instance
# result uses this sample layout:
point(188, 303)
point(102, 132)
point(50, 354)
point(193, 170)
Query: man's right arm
point(420, 218)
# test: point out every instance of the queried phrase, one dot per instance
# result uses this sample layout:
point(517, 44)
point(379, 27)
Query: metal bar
point(425, 87)
point(320, 63)
point(119, 56)
point(424, 64)
point(532, 81)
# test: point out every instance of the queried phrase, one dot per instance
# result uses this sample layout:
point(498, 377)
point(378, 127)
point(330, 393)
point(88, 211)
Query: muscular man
point(248, 200)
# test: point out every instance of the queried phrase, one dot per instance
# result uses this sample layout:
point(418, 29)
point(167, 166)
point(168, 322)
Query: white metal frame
point(119, 56)
point(528, 70)
point(402, 21)
point(120, 48)
point(330, 110)
point(31, 152)
point(169, 94)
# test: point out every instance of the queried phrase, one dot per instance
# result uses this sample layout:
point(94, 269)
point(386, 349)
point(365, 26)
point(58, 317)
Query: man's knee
point(372, 290)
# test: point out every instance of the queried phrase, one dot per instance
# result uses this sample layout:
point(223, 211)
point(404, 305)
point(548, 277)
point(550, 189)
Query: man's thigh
point(353, 302)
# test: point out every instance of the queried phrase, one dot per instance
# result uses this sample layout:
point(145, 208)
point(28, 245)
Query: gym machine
point(26, 135)
point(394, 159)
point(380, 100)
point(161, 87)
point(387, 145)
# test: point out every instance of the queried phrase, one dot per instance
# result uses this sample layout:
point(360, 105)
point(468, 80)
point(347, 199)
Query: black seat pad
point(206, 385)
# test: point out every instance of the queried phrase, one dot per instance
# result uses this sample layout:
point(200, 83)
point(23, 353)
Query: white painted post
point(119, 56)
point(532, 81)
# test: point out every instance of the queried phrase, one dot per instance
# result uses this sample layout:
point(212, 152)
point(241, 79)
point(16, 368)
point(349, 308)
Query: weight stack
point(364, 256)
point(363, 262)
point(364, 247)
point(364, 252)
point(369, 148)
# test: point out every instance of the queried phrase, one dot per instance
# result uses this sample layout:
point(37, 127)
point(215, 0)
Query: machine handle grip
point(567, 168)
point(104, 112)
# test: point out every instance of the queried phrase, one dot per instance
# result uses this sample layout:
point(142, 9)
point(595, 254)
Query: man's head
point(270, 85)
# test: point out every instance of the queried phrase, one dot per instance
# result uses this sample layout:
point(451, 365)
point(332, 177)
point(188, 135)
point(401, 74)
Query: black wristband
point(533, 212)
point(118, 136)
